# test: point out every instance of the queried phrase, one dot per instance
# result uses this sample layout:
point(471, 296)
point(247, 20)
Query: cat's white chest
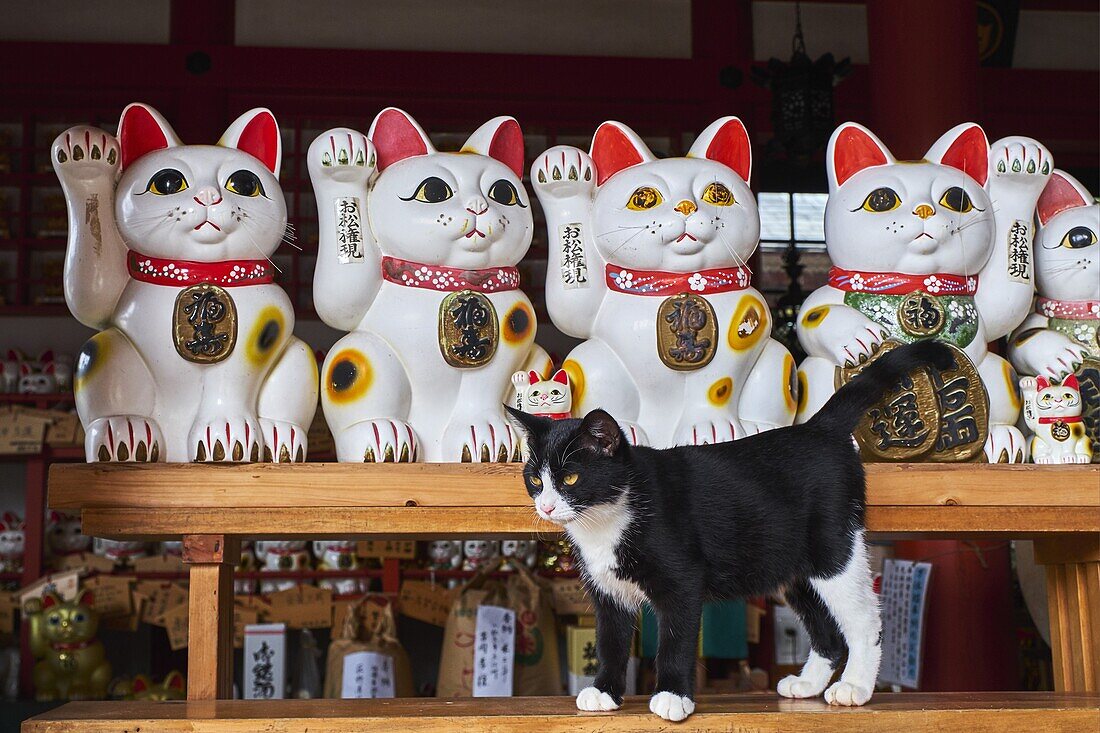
point(597, 540)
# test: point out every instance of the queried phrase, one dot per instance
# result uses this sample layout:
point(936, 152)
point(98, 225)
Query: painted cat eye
point(956, 199)
point(569, 479)
point(1079, 237)
point(880, 200)
point(644, 197)
point(167, 182)
point(503, 192)
point(245, 183)
point(718, 195)
point(535, 481)
point(432, 190)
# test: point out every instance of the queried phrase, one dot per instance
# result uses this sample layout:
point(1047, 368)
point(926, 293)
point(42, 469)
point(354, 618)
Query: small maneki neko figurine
point(551, 398)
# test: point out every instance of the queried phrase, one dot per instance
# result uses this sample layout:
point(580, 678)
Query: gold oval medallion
point(687, 332)
point(204, 324)
point(920, 314)
point(468, 329)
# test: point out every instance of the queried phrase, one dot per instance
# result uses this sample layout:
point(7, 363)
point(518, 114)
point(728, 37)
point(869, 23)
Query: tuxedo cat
point(679, 526)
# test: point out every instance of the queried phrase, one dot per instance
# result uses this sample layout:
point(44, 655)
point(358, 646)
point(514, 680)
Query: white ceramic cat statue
point(281, 556)
point(550, 398)
point(34, 379)
point(521, 551)
point(12, 543)
point(169, 258)
point(479, 553)
point(419, 263)
point(63, 535)
point(339, 555)
point(936, 248)
point(1053, 412)
point(647, 262)
point(444, 554)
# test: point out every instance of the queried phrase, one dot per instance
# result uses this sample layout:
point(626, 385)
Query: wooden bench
point(213, 507)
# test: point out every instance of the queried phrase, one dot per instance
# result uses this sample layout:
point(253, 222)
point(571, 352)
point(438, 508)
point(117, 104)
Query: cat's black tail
point(844, 410)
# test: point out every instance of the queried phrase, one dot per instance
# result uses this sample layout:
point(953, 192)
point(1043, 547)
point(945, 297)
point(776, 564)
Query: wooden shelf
point(488, 500)
point(909, 712)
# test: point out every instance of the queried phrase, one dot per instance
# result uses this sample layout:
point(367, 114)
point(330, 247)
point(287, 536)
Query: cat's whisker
point(627, 241)
point(257, 248)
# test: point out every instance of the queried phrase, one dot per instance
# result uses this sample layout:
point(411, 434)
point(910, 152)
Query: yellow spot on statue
point(720, 392)
point(813, 317)
point(792, 391)
point(803, 391)
point(576, 382)
point(348, 377)
point(1012, 382)
point(266, 335)
point(749, 323)
point(93, 353)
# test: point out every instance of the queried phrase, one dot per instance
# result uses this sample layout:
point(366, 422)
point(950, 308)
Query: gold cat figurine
point(72, 663)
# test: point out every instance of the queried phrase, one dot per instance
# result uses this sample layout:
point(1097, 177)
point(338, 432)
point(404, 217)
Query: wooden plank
point(910, 712)
point(210, 630)
point(262, 485)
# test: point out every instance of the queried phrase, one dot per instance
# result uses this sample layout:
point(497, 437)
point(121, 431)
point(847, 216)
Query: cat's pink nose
point(547, 508)
point(208, 196)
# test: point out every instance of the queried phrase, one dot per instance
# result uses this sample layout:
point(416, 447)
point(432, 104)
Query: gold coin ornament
point(921, 314)
point(940, 417)
point(204, 323)
point(687, 332)
point(468, 329)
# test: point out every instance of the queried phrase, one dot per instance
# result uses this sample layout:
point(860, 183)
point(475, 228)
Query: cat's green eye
point(569, 479)
point(503, 192)
point(167, 182)
point(432, 190)
point(880, 200)
point(535, 481)
point(644, 197)
point(718, 195)
point(245, 183)
point(958, 200)
point(1079, 237)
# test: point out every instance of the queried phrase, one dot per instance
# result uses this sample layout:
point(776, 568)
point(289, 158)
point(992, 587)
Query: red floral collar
point(656, 282)
point(1049, 420)
point(178, 273)
point(67, 646)
point(897, 283)
point(1078, 310)
point(449, 279)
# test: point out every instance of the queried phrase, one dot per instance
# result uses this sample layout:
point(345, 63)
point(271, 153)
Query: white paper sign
point(1019, 252)
point(367, 674)
point(264, 661)
point(792, 642)
point(494, 651)
point(349, 229)
point(574, 268)
point(904, 595)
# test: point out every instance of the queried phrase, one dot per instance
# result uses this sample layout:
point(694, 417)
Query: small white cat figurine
point(281, 556)
point(63, 535)
point(444, 554)
point(647, 262)
point(1053, 412)
point(417, 259)
point(169, 258)
point(37, 379)
point(550, 398)
point(522, 551)
point(339, 555)
point(12, 543)
point(120, 552)
point(479, 553)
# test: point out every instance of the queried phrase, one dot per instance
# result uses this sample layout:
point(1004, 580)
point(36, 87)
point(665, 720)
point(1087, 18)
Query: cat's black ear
point(532, 426)
point(600, 433)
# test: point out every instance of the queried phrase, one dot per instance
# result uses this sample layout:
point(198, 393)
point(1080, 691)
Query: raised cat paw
point(343, 155)
point(85, 154)
point(283, 442)
point(377, 441)
point(670, 706)
point(488, 439)
point(1020, 162)
point(1005, 444)
point(563, 172)
point(845, 693)
point(708, 432)
point(592, 700)
point(225, 439)
point(123, 438)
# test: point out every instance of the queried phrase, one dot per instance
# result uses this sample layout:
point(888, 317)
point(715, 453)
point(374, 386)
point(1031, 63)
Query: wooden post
point(1073, 597)
point(210, 615)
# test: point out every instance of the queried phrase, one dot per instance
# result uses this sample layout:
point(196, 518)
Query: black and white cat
point(782, 511)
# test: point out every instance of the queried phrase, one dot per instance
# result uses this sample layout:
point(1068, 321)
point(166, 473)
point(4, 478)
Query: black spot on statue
point(268, 336)
point(86, 359)
point(344, 374)
point(519, 321)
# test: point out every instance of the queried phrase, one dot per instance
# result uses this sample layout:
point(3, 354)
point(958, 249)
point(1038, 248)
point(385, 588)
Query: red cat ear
point(964, 147)
point(396, 136)
point(499, 138)
point(616, 147)
point(50, 599)
point(853, 148)
point(86, 598)
point(50, 368)
point(1071, 382)
point(140, 684)
point(257, 133)
point(534, 376)
point(1062, 192)
point(55, 516)
point(142, 130)
point(24, 369)
point(174, 681)
point(561, 377)
point(726, 141)
point(1041, 382)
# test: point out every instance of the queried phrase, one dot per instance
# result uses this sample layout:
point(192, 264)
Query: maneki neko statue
point(1060, 341)
point(936, 248)
point(169, 259)
point(417, 260)
point(647, 262)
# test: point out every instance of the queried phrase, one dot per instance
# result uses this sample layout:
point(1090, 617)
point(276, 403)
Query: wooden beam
point(1073, 602)
point(210, 560)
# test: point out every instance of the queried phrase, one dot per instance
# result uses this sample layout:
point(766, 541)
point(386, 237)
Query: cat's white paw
point(671, 706)
point(563, 172)
point(708, 432)
point(593, 701)
point(1021, 163)
point(1005, 444)
point(486, 440)
point(634, 433)
point(799, 687)
point(123, 438)
point(86, 154)
point(845, 693)
point(225, 439)
point(283, 442)
point(377, 441)
point(1077, 458)
point(343, 155)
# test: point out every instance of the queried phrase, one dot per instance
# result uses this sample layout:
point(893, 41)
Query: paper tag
point(494, 651)
point(63, 584)
point(425, 602)
point(264, 661)
point(1019, 252)
point(570, 597)
point(63, 430)
point(349, 229)
point(904, 595)
point(302, 607)
point(161, 601)
point(367, 674)
point(574, 268)
point(97, 563)
point(21, 432)
point(159, 564)
point(382, 549)
point(175, 622)
point(112, 595)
